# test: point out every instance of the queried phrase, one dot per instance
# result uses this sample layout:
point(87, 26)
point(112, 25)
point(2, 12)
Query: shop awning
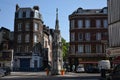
point(112, 52)
point(116, 60)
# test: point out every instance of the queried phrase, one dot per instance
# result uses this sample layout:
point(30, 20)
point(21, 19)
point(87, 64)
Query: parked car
point(115, 74)
point(7, 70)
point(80, 68)
point(92, 70)
point(2, 72)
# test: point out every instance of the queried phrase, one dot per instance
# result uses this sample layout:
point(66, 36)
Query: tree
point(65, 48)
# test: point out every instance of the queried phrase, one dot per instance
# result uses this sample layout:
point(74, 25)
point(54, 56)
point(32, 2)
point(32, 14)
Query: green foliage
point(65, 48)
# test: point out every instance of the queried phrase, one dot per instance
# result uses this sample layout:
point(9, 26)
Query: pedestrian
point(73, 68)
point(68, 68)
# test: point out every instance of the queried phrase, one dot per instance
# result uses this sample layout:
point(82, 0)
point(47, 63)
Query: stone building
point(114, 30)
point(88, 36)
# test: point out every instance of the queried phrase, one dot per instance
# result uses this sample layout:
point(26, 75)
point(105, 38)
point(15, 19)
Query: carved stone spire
point(57, 21)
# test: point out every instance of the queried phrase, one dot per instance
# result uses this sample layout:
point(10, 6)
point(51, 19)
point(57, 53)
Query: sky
point(48, 11)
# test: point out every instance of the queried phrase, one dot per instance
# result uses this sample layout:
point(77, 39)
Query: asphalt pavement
point(43, 76)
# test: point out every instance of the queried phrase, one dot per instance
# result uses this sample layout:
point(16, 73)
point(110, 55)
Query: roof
point(89, 11)
point(3, 28)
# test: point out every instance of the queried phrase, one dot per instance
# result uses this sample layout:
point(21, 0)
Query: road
point(43, 76)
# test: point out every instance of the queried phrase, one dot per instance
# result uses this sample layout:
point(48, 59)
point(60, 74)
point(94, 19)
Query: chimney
point(17, 7)
point(36, 8)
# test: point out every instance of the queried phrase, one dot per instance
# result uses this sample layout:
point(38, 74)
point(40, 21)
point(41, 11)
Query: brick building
point(6, 51)
point(88, 36)
point(31, 39)
point(4, 38)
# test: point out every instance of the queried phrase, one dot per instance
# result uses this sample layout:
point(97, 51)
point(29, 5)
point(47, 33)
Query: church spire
point(57, 21)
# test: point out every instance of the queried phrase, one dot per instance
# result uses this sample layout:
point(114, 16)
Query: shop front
point(89, 61)
point(114, 55)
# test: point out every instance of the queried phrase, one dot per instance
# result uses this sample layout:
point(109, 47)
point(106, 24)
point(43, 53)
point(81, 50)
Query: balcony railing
point(78, 54)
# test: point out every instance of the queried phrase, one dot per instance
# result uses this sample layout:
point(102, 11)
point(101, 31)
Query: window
point(105, 34)
point(36, 49)
point(19, 26)
point(98, 36)
point(72, 37)
point(98, 23)
point(35, 38)
point(80, 48)
point(99, 48)
point(19, 38)
point(87, 49)
point(105, 23)
point(0, 55)
point(27, 14)
point(72, 24)
point(80, 23)
point(27, 26)
point(24, 14)
point(20, 14)
point(87, 36)
point(80, 36)
point(105, 11)
point(36, 26)
point(18, 48)
point(31, 14)
point(72, 49)
point(36, 14)
point(87, 23)
point(27, 49)
point(27, 38)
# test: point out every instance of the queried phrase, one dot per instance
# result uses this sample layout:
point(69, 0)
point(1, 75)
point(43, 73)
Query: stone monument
point(57, 61)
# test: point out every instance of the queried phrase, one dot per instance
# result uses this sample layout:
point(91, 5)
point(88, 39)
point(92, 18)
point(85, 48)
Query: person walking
point(73, 68)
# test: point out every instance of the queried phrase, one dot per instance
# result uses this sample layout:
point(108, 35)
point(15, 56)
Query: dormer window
point(20, 14)
point(24, 14)
point(105, 11)
point(79, 10)
point(28, 14)
point(31, 14)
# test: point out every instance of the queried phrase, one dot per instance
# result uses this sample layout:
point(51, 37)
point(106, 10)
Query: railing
point(77, 54)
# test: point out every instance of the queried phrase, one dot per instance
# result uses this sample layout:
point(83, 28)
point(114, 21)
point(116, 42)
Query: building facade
point(114, 30)
point(4, 38)
point(6, 52)
point(29, 39)
point(88, 36)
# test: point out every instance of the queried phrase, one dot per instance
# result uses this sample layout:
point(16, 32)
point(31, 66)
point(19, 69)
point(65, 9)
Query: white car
point(80, 68)
point(2, 72)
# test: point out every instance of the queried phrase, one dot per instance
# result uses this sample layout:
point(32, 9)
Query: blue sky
point(48, 11)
